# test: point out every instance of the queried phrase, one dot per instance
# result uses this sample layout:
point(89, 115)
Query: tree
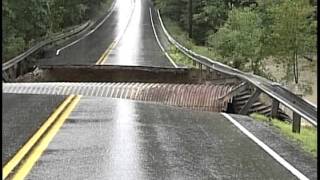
point(190, 13)
point(25, 22)
point(239, 40)
point(293, 33)
point(209, 16)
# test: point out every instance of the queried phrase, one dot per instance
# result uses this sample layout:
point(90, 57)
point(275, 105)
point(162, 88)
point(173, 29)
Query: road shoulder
point(286, 148)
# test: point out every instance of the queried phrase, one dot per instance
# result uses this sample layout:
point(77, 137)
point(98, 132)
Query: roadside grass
point(182, 37)
point(307, 138)
point(179, 58)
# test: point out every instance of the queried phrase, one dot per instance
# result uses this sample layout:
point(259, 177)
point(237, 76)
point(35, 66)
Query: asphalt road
point(125, 38)
point(107, 138)
point(89, 49)
point(138, 45)
point(286, 148)
point(22, 115)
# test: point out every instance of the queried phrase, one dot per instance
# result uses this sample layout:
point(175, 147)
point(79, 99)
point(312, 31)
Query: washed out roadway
point(106, 138)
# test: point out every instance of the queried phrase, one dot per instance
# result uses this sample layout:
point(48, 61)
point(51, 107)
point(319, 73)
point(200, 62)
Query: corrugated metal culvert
point(193, 96)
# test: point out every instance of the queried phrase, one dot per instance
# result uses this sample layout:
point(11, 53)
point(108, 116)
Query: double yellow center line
point(106, 54)
point(23, 161)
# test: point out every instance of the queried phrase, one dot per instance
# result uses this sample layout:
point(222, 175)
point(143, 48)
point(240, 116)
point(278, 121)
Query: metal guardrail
point(274, 90)
point(41, 44)
point(74, 30)
point(93, 27)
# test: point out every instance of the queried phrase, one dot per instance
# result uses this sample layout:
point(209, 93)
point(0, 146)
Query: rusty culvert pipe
point(193, 96)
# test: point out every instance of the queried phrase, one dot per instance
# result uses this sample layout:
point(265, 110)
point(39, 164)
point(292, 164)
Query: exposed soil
point(307, 85)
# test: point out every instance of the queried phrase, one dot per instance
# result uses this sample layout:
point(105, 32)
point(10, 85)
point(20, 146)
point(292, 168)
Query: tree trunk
point(190, 18)
point(295, 68)
point(252, 66)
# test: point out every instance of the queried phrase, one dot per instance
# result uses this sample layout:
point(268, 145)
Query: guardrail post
point(11, 73)
point(296, 124)
point(200, 67)
point(274, 108)
point(211, 74)
point(5, 76)
point(21, 68)
point(15, 70)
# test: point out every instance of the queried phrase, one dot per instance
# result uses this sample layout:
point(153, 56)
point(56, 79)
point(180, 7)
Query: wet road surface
point(22, 115)
point(107, 138)
point(89, 49)
point(138, 45)
point(125, 38)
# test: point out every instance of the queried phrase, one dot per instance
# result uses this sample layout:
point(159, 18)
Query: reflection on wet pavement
point(136, 44)
point(108, 138)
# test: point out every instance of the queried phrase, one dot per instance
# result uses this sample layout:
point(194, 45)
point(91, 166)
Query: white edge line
point(161, 47)
point(76, 41)
point(271, 152)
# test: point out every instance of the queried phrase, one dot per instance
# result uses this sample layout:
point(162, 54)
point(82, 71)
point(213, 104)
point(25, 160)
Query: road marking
point(24, 150)
point(90, 32)
point(271, 152)
point(40, 140)
point(158, 41)
point(106, 54)
point(44, 142)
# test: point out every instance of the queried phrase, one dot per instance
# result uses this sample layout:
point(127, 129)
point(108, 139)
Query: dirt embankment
point(307, 85)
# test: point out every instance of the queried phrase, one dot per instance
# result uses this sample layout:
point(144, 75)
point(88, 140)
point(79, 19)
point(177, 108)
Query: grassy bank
point(307, 138)
point(179, 58)
point(182, 37)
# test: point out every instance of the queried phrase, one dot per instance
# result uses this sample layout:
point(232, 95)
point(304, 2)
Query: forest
point(244, 33)
point(25, 22)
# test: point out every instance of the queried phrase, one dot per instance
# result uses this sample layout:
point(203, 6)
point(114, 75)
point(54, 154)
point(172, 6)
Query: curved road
point(125, 38)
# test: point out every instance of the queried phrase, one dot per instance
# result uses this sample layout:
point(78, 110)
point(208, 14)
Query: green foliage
point(208, 15)
point(207, 18)
point(292, 33)
point(179, 58)
point(25, 22)
point(239, 40)
point(247, 32)
point(182, 37)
